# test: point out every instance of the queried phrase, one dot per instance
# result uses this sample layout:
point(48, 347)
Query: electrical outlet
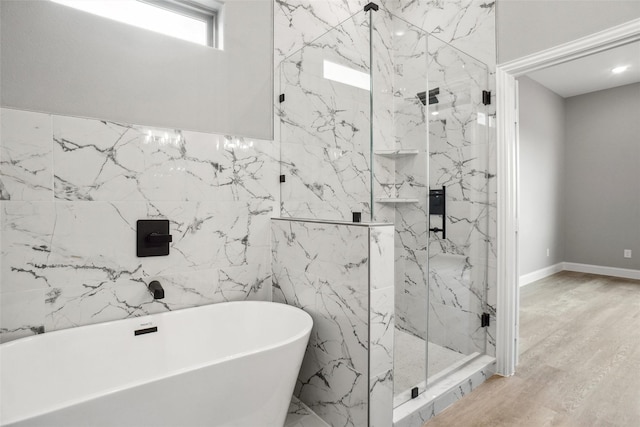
point(627, 253)
point(547, 251)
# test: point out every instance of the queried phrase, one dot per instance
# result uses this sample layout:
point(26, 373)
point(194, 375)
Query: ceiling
point(592, 72)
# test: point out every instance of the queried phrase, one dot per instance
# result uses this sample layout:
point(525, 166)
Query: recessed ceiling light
point(619, 70)
point(435, 113)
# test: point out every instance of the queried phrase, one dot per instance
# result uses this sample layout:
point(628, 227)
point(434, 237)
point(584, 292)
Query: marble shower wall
point(399, 63)
point(342, 275)
point(462, 273)
point(72, 190)
point(325, 127)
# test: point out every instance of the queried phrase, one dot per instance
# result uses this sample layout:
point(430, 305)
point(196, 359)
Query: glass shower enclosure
point(381, 119)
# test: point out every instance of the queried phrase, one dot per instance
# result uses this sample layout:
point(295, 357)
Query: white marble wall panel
point(92, 242)
point(22, 314)
point(324, 127)
point(25, 156)
point(96, 160)
point(382, 77)
point(412, 267)
point(322, 112)
point(342, 274)
point(381, 325)
point(384, 183)
point(381, 400)
point(27, 230)
point(69, 257)
point(335, 182)
point(468, 25)
point(323, 268)
point(410, 78)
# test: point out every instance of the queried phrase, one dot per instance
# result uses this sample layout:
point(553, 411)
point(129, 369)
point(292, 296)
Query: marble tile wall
point(341, 274)
point(381, 324)
point(306, 31)
point(468, 25)
point(324, 127)
point(72, 190)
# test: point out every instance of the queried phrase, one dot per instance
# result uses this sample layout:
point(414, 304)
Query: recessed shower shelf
point(395, 153)
point(395, 200)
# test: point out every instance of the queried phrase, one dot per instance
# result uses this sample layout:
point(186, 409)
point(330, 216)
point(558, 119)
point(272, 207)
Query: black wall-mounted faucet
point(156, 290)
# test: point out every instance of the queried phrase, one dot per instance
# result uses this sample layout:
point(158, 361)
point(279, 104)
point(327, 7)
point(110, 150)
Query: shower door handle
point(438, 206)
point(438, 230)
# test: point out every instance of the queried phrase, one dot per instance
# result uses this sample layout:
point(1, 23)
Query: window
point(184, 19)
point(346, 75)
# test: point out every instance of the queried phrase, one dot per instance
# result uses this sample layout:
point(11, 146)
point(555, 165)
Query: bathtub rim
point(305, 330)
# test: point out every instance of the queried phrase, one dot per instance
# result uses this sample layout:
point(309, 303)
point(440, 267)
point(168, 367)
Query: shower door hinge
point(281, 98)
point(370, 6)
point(486, 97)
point(282, 178)
point(484, 320)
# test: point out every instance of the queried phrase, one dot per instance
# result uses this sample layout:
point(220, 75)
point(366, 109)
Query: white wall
point(528, 26)
point(63, 61)
point(542, 120)
point(602, 209)
point(579, 177)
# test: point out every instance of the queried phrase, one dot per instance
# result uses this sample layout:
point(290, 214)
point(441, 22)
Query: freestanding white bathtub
point(228, 364)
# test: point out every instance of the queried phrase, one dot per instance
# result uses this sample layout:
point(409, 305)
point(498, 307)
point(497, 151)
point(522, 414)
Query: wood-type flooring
point(579, 363)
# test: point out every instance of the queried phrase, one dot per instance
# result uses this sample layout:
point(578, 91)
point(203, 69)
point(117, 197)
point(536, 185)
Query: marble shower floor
point(409, 360)
point(301, 416)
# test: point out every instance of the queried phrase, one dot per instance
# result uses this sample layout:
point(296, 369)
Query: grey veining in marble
point(342, 275)
point(323, 269)
point(25, 156)
point(68, 250)
point(99, 161)
point(324, 127)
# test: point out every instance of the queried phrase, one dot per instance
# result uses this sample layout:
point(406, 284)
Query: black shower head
point(422, 96)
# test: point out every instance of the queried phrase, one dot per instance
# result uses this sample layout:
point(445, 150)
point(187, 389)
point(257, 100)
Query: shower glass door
point(458, 153)
point(430, 133)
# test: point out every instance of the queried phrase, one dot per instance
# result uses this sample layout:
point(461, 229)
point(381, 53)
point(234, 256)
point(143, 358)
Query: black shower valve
point(153, 237)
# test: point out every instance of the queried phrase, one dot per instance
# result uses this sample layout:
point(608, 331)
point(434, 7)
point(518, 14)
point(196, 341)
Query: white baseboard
point(525, 279)
point(625, 273)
